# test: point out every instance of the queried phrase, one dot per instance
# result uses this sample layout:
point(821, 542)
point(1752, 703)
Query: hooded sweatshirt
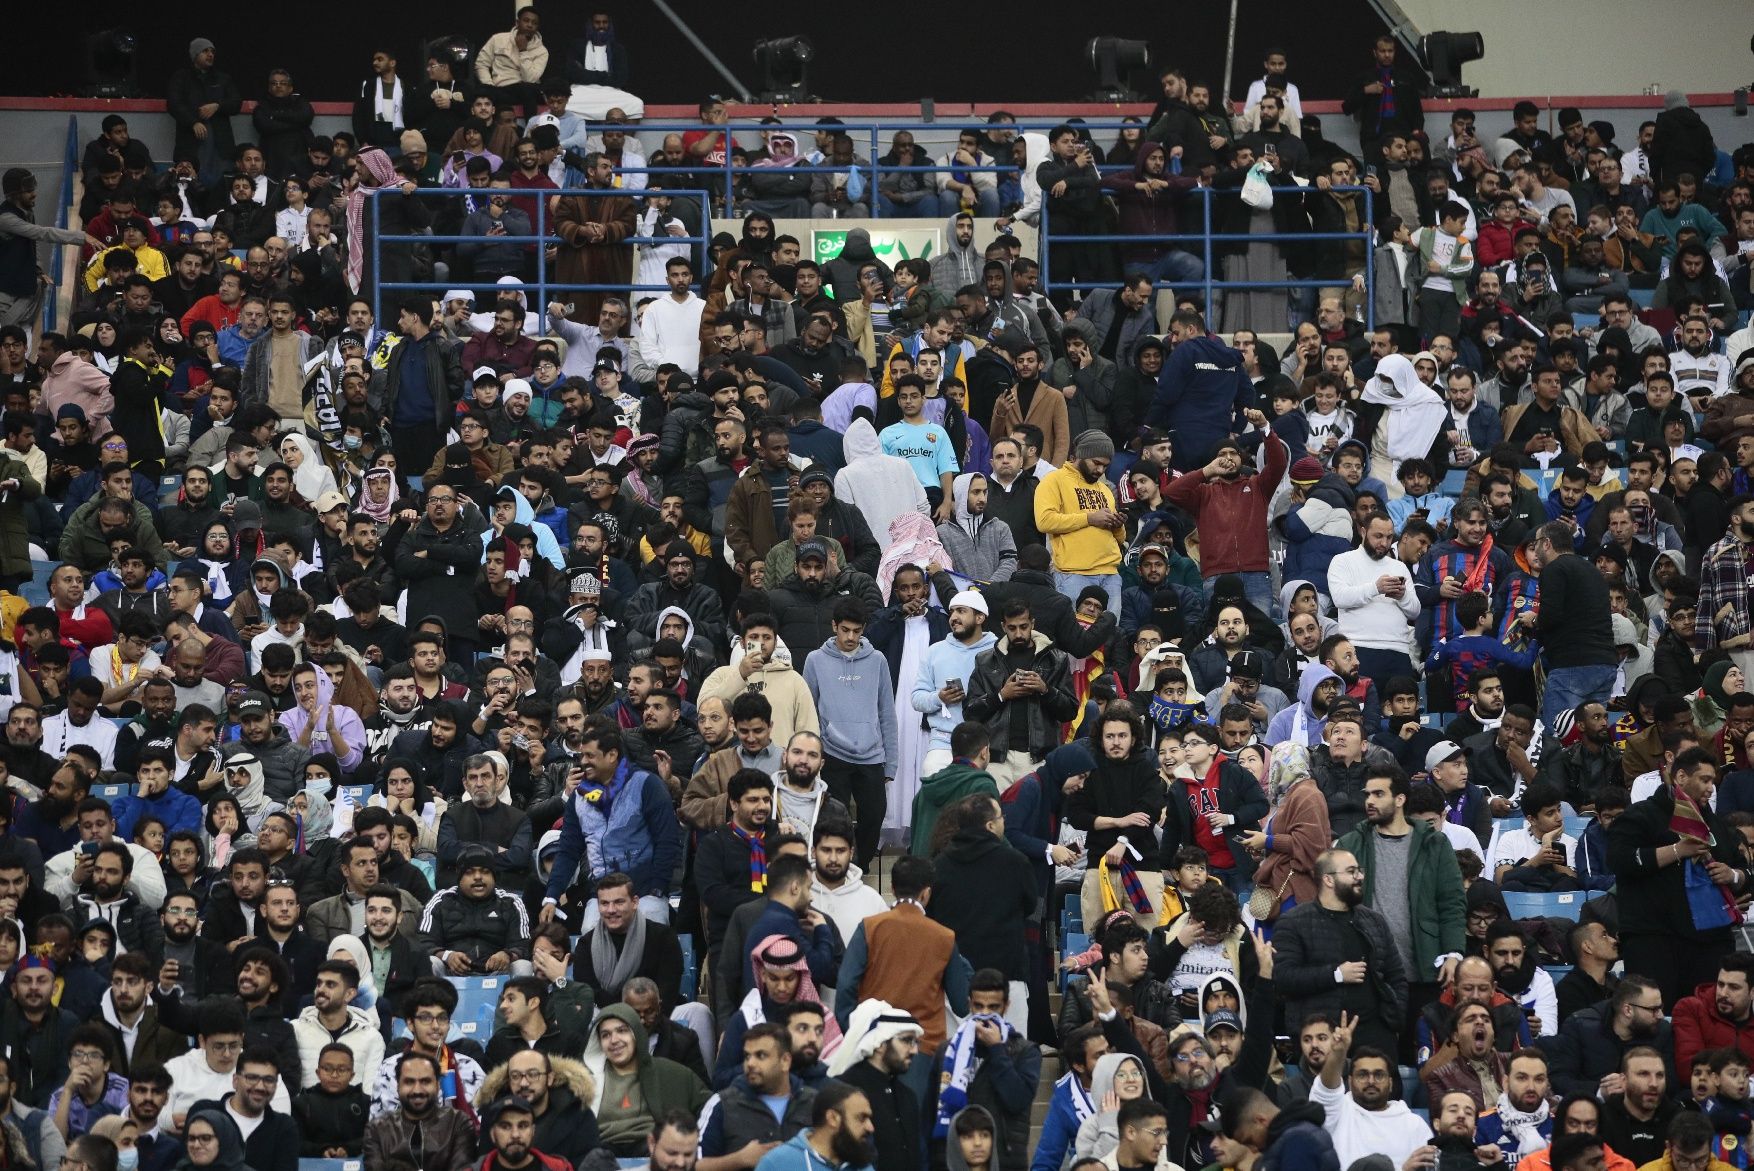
point(850, 903)
point(945, 660)
point(546, 544)
point(1100, 1133)
point(958, 264)
point(854, 728)
point(956, 780)
point(1302, 718)
point(882, 487)
point(347, 723)
point(979, 546)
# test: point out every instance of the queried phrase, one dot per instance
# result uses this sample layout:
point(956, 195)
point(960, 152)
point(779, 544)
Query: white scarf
point(1524, 1128)
point(387, 109)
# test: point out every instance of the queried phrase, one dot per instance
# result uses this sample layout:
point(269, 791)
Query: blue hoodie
point(795, 1155)
point(1060, 1127)
point(848, 689)
point(1201, 395)
point(1280, 729)
point(945, 660)
point(546, 545)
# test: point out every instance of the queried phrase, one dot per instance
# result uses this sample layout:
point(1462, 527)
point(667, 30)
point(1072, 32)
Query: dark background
point(872, 53)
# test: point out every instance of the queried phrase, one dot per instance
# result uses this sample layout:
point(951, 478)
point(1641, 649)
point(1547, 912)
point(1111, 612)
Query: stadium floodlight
point(112, 64)
point(785, 69)
point(1112, 59)
point(1445, 54)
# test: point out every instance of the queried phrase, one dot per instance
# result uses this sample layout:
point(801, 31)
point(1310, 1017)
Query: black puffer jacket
point(805, 611)
point(984, 892)
point(476, 927)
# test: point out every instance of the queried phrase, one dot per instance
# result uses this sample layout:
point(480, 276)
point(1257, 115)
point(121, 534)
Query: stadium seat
point(690, 968)
point(1560, 905)
point(112, 792)
point(330, 1164)
point(1557, 971)
point(1642, 297)
point(1076, 941)
point(477, 1001)
point(1453, 482)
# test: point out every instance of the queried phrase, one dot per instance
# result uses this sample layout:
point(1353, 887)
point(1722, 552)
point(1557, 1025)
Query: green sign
point(890, 244)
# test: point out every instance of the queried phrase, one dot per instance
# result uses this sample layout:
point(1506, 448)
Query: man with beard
point(1475, 1065)
point(767, 1105)
point(1723, 593)
point(1657, 928)
point(1021, 690)
point(1412, 881)
point(438, 558)
point(1590, 1054)
point(677, 588)
point(837, 887)
point(1365, 1117)
point(1715, 1015)
point(1075, 507)
point(1464, 563)
point(192, 963)
point(875, 1053)
point(399, 713)
point(841, 1128)
point(1376, 600)
point(512, 1133)
point(104, 895)
point(1027, 399)
point(1499, 759)
point(35, 1032)
point(624, 944)
point(1335, 955)
point(22, 750)
point(663, 743)
point(1580, 770)
point(1521, 1118)
point(445, 1136)
point(1637, 1112)
point(52, 820)
point(1515, 975)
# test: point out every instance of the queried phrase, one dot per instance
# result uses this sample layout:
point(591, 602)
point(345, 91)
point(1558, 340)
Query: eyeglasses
point(336, 1070)
point(527, 1075)
point(225, 1046)
point(86, 1055)
point(190, 1139)
point(257, 1079)
point(182, 913)
point(432, 1018)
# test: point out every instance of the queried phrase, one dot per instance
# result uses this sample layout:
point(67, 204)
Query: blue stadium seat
point(477, 1001)
point(330, 1164)
point(1453, 482)
point(690, 969)
point(1560, 905)
point(1557, 971)
point(111, 792)
point(1076, 941)
point(1642, 297)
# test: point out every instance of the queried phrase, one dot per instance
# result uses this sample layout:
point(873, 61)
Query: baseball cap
point(815, 548)
point(254, 703)
point(328, 500)
point(1223, 1017)
point(1441, 751)
point(1248, 664)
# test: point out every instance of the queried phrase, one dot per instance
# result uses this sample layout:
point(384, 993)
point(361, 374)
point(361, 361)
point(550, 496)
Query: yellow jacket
point(1077, 546)
point(150, 263)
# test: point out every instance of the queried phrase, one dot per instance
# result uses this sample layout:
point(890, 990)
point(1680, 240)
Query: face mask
point(352, 442)
point(319, 785)
point(127, 1158)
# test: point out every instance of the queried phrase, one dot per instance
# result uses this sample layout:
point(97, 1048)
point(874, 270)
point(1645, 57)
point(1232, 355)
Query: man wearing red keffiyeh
point(1676, 866)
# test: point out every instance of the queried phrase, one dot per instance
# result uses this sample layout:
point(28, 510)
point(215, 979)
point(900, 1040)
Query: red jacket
point(1232, 514)
point(1497, 242)
point(484, 349)
point(1699, 1028)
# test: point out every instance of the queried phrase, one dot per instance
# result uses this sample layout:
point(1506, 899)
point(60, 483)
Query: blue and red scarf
point(757, 857)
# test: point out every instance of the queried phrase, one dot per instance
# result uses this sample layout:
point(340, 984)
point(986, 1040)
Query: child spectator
point(1476, 648)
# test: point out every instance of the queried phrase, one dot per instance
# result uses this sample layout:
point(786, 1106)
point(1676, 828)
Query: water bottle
point(1175, 164)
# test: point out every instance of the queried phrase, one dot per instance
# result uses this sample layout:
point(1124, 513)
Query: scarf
point(379, 510)
point(377, 174)
point(961, 1061)
point(757, 857)
point(613, 970)
point(117, 667)
point(1085, 672)
point(1130, 884)
point(593, 803)
point(1525, 1128)
point(1476, 579)
point(1710, 904)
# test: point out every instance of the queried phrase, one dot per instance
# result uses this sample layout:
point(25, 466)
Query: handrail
point(542, 236)
point(1209, 237)
point(63, 213)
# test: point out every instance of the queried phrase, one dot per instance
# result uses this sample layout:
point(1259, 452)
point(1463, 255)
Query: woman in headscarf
point(912, 541)
point(214, 558)
point(1413, 416)
point(376, 175)
point(400, 789)
point(105, 345)
point(211, 1143)
point(122, 1131)
point(350, 949)
point(1291, 837)
point(1711, 703)
point(311, 477)
point(981, 548)
point(225, 829)
point(353, 687)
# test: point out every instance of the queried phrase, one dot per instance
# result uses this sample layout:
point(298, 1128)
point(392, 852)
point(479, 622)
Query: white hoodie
point(1394, 1130)
point(880, 486)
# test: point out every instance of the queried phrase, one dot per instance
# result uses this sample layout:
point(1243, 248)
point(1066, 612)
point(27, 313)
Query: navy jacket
point(1201, 395)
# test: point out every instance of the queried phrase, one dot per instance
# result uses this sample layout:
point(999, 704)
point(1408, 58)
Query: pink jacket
point(71, 381)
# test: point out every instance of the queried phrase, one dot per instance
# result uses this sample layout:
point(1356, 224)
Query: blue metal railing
point(542, 239)
point(730, 173)
point(1207, 237)
point(63, 211)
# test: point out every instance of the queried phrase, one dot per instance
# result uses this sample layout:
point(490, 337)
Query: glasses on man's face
point(336, 1070)
point(526, 1075)
point(181, 913)
point(257, 1079)
point(85, 1055)
point(432, 1018)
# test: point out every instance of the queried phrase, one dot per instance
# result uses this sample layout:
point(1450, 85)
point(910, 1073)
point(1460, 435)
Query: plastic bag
point(1256, 191)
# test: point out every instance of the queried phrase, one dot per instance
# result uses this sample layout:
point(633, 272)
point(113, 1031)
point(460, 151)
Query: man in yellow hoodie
point(1075, 509)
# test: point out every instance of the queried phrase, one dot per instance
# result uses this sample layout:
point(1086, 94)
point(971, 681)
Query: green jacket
point(14, 535)
point(1460, 265)
point(665, 1084)
point(943, 788)
point(83, 542)
point(1434, 894)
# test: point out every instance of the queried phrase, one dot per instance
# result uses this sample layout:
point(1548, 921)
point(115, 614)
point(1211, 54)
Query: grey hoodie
point(958, 264)
point(855, 701)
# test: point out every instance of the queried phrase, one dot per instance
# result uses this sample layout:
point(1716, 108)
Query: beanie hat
point(1307, 470)
point(1093, 445)
point(199, 46)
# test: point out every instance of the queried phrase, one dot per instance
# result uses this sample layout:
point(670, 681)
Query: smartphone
point(89, 848)
point(1370, 172)
point(1270, 150)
